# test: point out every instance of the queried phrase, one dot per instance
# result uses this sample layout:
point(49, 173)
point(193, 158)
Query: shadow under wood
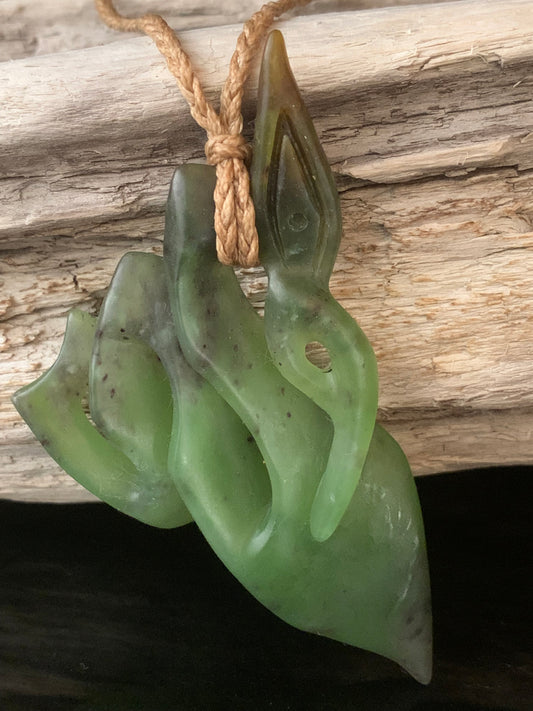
point(100, 612)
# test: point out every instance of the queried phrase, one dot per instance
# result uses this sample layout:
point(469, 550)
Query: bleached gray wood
point(29, 28)
point(426, 114)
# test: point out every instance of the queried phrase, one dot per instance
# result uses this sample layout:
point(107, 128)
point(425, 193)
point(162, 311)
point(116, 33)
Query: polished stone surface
point(101, 613)
point(202, 410)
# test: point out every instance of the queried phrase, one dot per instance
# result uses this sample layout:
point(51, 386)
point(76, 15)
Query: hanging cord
point(226, 148)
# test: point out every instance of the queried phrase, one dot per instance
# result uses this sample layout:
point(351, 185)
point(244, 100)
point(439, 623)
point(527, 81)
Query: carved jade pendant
point(202, 410)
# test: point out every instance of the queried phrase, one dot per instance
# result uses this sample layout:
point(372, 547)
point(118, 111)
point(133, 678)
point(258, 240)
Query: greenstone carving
point(202, 410)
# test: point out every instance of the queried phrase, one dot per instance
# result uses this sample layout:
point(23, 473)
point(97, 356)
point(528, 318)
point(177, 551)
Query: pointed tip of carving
point(325, 517)
point(275, 46)
point(414, 640)
point(420, 663)
point(332, 498)
point(276, 70)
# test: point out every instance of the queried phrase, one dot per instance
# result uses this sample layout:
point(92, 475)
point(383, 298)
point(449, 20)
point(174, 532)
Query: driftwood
point(426, 115)
point(28, 28)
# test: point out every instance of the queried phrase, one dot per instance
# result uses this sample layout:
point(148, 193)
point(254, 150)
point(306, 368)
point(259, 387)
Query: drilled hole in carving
point(298, 221)
point(317, 354)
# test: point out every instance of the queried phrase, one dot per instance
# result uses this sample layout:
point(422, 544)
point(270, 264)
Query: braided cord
point(226, 148)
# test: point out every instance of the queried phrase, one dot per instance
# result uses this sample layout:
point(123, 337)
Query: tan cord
point(226, 148)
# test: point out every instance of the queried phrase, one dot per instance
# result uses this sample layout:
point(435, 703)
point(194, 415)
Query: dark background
point(101, 613)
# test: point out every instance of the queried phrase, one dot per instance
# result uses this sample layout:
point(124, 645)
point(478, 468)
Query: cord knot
point(237, 240)
point(225, 146)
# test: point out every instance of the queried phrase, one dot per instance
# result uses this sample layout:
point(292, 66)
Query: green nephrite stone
point(179, 402)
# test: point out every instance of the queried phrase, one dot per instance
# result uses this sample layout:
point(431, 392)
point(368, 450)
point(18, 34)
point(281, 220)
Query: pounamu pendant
point(202, 410)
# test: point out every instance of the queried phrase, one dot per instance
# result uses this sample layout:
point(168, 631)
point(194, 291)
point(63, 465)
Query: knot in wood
point(226, 146)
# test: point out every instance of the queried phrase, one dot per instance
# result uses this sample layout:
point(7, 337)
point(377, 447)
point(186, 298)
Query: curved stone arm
point(299, 224)
point(367, 584)
point(53, 408)
point(208, 452)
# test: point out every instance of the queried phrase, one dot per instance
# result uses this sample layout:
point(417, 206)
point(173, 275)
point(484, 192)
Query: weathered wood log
point(28, 28)
point(426, 114)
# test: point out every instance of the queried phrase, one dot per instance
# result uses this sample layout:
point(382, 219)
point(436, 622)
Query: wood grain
point(28, 29)
point(426, 115)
